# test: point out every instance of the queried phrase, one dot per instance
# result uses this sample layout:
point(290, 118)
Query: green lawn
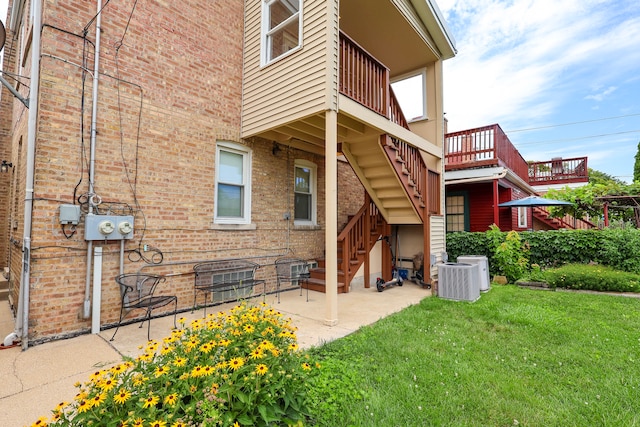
point(514, 357)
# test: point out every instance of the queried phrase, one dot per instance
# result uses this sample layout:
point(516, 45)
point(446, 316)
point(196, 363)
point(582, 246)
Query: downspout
point(22, 322)
point(92, 159)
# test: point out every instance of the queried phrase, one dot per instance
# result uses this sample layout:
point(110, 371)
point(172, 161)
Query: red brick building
point(228, 129)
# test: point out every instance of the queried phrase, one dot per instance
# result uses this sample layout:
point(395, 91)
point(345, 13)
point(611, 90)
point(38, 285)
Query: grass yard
point(514, 357)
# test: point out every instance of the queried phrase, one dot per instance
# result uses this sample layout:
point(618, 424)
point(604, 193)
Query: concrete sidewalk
point(36, 380)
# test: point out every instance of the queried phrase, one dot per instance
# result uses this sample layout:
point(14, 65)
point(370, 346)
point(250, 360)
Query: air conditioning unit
point(459, 282)
point(483, 264)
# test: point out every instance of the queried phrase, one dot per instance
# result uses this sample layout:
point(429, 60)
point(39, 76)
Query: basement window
point(281, 28)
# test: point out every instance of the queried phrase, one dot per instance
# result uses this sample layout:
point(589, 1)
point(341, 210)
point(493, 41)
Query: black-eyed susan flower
point(161, 370)
point(179, 361)
point(306, 366)
point(84, 406)
point(178, 424)
point(138, 423)
point(122, 396)
point(236, 363)
point(41, 422)
point(151, 400)
point(171, 399)
point(261, 369)
point(158, 423)
point(98, 399)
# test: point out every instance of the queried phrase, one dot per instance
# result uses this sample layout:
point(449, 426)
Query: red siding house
point(484, 169)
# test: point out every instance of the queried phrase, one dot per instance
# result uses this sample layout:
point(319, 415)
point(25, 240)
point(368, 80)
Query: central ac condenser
point(459, 282)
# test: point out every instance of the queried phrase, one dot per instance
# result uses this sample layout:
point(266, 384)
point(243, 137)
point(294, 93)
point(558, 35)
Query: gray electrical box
point(108, 227)
point(70, 214)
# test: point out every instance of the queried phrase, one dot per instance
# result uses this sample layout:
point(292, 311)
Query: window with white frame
point(281, 28)
point(522, 217)
point(233, 184)
point(304, 190)
point(411, 92)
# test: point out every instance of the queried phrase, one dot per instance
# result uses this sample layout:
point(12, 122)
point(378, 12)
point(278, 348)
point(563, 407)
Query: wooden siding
point(295, 86)
point(438, 240)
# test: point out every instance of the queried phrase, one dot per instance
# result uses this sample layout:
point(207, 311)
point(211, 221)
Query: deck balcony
point(489, 146)
point(559, 171)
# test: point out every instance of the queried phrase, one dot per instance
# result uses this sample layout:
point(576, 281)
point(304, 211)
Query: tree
point(636, 166)
point(585, 199)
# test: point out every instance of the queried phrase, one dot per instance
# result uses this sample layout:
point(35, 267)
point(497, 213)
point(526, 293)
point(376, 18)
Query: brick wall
point(170, 88)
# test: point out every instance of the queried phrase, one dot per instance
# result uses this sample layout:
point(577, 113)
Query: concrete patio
point(36, 380)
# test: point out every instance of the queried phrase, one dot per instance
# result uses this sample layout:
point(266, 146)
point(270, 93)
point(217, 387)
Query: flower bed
point(228, 369)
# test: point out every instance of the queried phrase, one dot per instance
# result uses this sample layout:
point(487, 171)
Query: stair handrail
point(411, 169)
point(355, 237)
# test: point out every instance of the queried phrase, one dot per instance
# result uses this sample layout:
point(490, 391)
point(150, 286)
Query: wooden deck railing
point(481, 147)
point(410, 168)
point(567, 221)
point(358, 237)
point(559, 171)
point(366, 80)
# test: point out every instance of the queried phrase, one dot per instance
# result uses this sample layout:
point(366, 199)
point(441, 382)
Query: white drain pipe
point(22, 318)
point(92, 157)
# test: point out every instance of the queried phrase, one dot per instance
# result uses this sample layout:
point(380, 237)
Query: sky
point(560, 77)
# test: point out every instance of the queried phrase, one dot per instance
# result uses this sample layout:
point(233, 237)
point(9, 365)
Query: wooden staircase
point(355, 241)
point(568, 221)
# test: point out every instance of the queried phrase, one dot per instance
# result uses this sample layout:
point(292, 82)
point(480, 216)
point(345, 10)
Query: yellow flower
point(84, 406)
point(98, 399)
point(261, 369)
point(236, 363)
point(171, 399)
point(139, 379)
point(249, 328)
point(150, 401)
point(161, 370)
point(256, 354)
point(179, 361)
point(60, 406)
point(225, 342)
point(158, 424)
point(293, 347)
point(198, 371)
point(178, 424)
point(96, 376)
point(42, 421)
point(306, 366)
point(138, 423)
point(122, 396)
point(106, 384)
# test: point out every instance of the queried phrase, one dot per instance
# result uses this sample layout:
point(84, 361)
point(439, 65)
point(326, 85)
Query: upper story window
point(411, 92)
point(233, 184)
point(305, 192)
point(281, 28)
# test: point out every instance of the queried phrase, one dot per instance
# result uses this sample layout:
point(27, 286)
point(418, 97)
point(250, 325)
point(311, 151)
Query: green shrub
point(592, 277)
point(237, 369)
point(510, 254)
point(620, 248)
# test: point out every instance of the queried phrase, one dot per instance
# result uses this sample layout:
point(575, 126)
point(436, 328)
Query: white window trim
point(522, 217)
point(313, 188)
point(264, 32)
point(246, 168)
point(423, 73)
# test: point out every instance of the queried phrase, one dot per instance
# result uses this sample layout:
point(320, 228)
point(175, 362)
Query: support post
point(331, 218)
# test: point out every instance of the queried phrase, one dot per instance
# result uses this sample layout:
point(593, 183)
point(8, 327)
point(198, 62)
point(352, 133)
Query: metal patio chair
point(138, 292)
point(294, 271)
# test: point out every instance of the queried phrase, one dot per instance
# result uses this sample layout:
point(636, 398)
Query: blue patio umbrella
point(531, 202)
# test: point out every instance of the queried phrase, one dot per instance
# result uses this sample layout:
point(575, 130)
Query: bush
point(618, 248)
point(237, 369)
point(592, 277)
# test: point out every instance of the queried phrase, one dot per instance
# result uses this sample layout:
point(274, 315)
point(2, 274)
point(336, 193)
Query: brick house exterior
point(170, 93)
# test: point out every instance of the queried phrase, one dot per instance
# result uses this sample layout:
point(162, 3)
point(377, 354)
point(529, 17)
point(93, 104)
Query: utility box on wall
point(108, 227)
